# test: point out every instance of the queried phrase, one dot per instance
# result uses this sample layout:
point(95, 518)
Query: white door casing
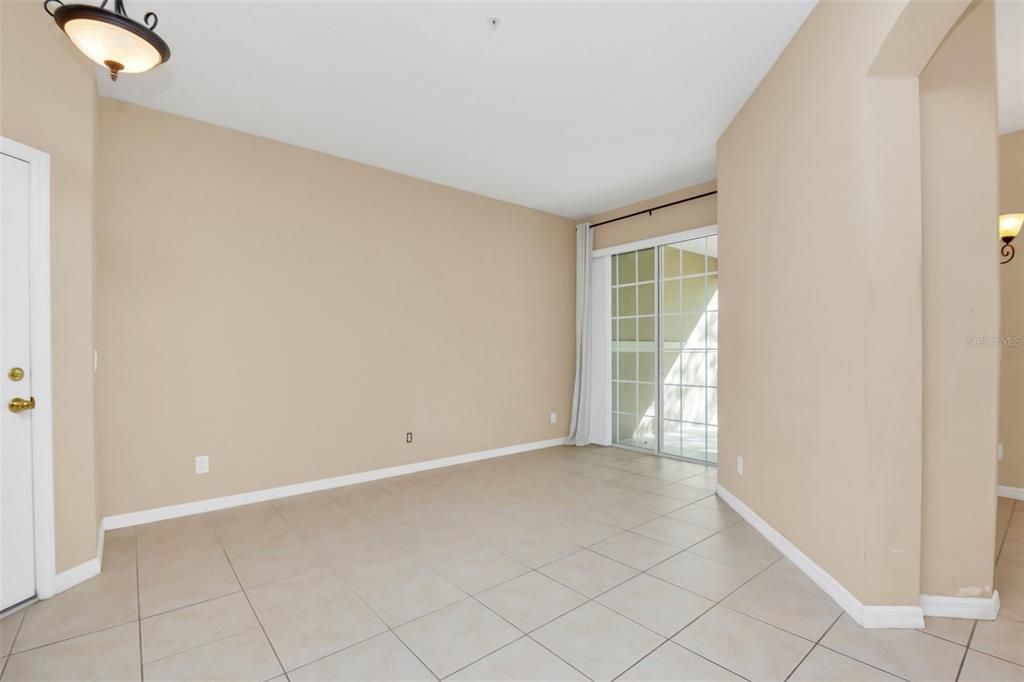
point(27, 565)
point(17, 546)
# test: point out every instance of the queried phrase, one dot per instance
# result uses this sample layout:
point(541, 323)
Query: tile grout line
point(705, 612)
point(967, 648)
point(720, 602)
point(374, 612)
point(870, 665)
point(138, 600)
point(536, 570)
point(195, 603)
point(526, 634)
point(594, 598)
point(545, 648)
point(227, 556)
point(241, 589)
point(818, 642)
point(68, 639)
point(814, 646)
point(10, 652)
point(458, 488)
point(644, 572)
point(970, 640)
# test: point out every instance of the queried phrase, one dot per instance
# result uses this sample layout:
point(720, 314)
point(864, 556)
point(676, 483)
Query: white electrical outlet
point(739, 466)
point(202, 464)
point(553, 417)
point(999, 452)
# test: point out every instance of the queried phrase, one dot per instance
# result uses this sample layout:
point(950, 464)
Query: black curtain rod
point(650, 211)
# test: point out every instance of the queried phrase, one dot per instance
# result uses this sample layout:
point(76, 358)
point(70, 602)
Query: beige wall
point(822, 345)
point(697, 213)
point(48, 101)
point(961, 299)
point(1011, 396)
point(792, 349)
point(292, 315)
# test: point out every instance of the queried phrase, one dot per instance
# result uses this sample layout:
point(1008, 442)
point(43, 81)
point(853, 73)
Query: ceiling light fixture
point(111, 38)
point(1009, 228)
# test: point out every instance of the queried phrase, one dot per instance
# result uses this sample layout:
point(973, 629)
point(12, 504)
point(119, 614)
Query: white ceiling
point(573, 108)
point(1010, 47)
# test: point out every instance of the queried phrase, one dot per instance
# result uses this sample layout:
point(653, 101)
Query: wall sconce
point(1009, 228)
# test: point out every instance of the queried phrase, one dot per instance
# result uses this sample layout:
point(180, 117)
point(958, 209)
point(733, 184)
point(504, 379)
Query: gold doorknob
point(20, 404)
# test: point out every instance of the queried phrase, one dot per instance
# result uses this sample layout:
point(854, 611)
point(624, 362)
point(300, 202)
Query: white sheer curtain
point(579, 424)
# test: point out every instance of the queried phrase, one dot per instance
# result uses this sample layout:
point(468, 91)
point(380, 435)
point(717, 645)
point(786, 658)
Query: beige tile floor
point(562, 564)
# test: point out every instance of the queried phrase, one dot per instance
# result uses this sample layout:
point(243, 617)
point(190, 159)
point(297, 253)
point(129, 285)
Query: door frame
point(601, 327)
point(41, 368)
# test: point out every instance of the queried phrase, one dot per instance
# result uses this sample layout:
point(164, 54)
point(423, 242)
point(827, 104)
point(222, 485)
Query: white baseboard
point(101, 532)
point(867, 616)
point(1011, 492)
point(215, 503)
point(977, 608)
point(76, 574)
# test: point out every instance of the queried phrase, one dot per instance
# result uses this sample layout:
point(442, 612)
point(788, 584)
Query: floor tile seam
point(382, 620)
point(7, 657)
point(777, 627)
point(510, 624)
point(231, 564)
point(215, 640)
point(820, 597)
point(191, 604)
point(860, 660)
point(998, 658)
point(647, 627)
point(987, 653)
point(715, 561)
point(697, 654)
point(676, 634)
point(294, 614)
point(718, 603)
point(555, 654)
point(68, 639)
point(945, 639)
point(474, 662)
point(17, 632)
point(138, 601)
point(814, 646)
point(599, 594)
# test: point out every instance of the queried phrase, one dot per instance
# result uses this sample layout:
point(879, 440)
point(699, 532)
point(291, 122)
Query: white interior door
point(17, 537)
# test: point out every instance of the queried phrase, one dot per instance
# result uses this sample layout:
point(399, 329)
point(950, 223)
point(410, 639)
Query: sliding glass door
point(665, 349)
point(634, 349)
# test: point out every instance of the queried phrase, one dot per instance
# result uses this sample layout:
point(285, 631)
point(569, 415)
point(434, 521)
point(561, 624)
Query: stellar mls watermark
point(1013, 341)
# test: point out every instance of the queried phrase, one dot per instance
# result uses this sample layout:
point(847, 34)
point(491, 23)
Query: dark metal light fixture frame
point(119, 18)
point(1006, 250)
point(1009, 227)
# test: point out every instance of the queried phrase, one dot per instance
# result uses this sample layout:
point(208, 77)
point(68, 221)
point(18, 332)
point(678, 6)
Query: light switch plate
point(739, 466)
point(553, 417)
point(202, 464)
